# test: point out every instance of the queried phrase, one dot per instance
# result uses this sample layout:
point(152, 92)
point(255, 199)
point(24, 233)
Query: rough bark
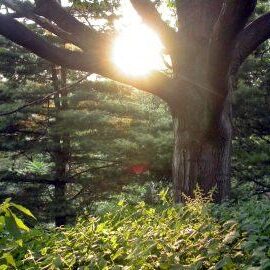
point(202, 121)
point(202, 156)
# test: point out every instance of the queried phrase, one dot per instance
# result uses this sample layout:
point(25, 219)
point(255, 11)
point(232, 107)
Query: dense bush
point(158, 236)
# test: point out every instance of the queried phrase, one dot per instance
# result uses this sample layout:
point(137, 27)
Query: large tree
point(214, 37)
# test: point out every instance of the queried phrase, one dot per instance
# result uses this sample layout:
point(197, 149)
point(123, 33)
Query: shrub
point(198, 235)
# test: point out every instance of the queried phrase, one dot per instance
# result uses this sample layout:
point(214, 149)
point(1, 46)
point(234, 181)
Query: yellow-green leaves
point(22, 209)
point(11, 228)
point(9, 259)
point(196, 236)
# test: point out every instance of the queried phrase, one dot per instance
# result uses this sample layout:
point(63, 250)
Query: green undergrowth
point(199, 235)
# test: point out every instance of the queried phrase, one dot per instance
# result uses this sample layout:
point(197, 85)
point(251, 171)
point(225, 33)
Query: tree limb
point(232, 19)
point(53, 11)
point(249, 39)
point(26, 10)
point(46, 24)
point(21, 35)
point(92, 169)
point(146, 9)
point(260, 184)
point(156, 82)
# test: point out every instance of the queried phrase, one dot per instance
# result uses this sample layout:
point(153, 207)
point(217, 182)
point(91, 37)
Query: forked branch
point(232, 19)
point(249, 39)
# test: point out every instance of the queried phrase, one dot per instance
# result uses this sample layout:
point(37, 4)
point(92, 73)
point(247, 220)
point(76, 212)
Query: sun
point(137, 51)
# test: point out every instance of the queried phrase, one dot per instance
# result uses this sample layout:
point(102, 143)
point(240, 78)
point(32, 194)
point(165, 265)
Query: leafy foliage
point(11, 229)
point(198, 235)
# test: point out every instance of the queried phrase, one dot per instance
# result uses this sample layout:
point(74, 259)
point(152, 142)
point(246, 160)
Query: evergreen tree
point(77, 140)
point(251, 122)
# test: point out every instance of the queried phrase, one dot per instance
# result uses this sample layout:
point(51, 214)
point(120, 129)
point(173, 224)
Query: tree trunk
point(61, 153)
point(202, 111)
point(202, 153)
point(60, 204)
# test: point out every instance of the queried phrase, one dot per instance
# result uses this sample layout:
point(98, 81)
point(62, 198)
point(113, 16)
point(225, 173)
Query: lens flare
point(137, 51)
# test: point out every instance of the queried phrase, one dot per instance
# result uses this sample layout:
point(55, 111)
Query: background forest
point(95, 155)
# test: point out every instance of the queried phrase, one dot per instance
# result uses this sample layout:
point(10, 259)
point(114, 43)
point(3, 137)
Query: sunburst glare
point(137, 51)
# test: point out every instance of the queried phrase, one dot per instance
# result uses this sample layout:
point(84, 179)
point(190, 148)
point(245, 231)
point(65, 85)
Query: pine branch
point(92, 169)
point(43, 99)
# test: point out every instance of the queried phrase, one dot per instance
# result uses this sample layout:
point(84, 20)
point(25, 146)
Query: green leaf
point(7, 200)
point(23, 210)
point(43, 251)
point(20, 223)
point(11, 227)
point(19, 242)
point(224, 263)
point(57, 262)
point(2, 223)
point(118, 253)
point(9, 258)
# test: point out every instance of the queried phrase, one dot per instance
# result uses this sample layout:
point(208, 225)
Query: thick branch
point(232, 19)
point(149, 14)
point(156, 82)
point(249, 39)
point(192, 16)
point(27, 11)
point(53, 11)
point(21, 35)
point(46, 24)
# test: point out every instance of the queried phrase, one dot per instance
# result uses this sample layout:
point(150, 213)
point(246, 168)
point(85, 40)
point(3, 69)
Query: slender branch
point(146, 9)
point(77, 194)
point(249, 39)
point(92, 169)
point(16, 178)
point(258, 192)
point(43, 99)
